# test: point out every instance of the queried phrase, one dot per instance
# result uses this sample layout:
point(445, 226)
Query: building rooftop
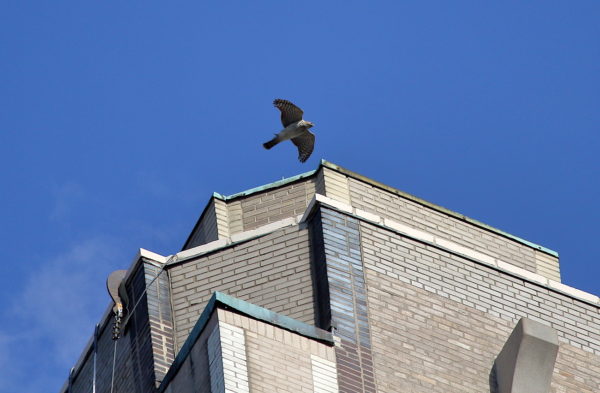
point(326, 164)
point(309, 264)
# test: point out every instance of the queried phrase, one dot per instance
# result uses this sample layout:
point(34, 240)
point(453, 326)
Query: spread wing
point(290, 113)
point(305, 144)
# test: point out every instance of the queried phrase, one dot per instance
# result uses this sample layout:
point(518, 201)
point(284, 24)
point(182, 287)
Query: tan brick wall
point(424, 343)
point(279, 360)
point(438, 320)
point(273, 205)
point(577, 371)
point(386, 204)
point(239, 354)
point(320, 183)
point(235, 216)
point(272, 271)
point(336, 185)
point(547, 266)
point(222, 218)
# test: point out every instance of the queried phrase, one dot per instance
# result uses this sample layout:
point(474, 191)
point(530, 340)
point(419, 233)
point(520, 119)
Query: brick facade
point(272, 271)
point(416, 299)
point(441, 319)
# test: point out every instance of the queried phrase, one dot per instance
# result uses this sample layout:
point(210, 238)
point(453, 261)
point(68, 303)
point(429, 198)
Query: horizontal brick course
point(485, 286)
point(276, 204)
point(441, 320)
point(404, 211)
point(273, 276)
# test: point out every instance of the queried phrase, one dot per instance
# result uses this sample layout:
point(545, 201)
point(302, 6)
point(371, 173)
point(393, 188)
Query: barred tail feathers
point(271, 143)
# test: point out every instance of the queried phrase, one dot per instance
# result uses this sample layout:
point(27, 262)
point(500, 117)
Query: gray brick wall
point(223, 218)
point(194, 375)
point(335, 185)
point(347, 300)
point(272, 271)
point(441, 319)
point(134, 366)
point(206, 229)
point(276, 204)
point(386, 204)
point(275, 366)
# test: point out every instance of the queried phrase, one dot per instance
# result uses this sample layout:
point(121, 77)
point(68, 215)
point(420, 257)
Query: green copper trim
point(221, 300)
point(254, 190)
point(273, 318)
point(441, 209)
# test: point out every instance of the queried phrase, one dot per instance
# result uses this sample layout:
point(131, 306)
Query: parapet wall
point(226, 215)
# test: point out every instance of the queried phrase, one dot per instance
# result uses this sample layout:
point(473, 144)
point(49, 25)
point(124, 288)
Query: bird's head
point(309, 124)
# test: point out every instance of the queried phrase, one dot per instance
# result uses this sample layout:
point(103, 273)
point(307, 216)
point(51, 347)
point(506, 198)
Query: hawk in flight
point(295, 129)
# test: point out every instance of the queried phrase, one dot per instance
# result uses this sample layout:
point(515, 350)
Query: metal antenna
point(117, 293)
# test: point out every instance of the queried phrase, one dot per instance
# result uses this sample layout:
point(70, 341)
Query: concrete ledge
point(202, 249)
point(488, 260)
point(263, 230)
point(415, 233)
point(368, 216)
point(526, 362)
point(150, 255)
point(237, 238)
point(530, 276)
point(573, 291)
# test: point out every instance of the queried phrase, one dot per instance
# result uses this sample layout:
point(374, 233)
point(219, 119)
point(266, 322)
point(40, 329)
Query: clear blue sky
point(119, 119)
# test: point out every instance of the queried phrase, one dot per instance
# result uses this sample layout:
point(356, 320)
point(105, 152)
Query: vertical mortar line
point(156, 338)
point(174, 320)
point(349, 253)
point(355, 295)
point(356, 272)
point(364, 274)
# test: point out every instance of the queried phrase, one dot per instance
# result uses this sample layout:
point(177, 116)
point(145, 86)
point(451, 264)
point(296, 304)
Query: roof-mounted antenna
point(116, 289)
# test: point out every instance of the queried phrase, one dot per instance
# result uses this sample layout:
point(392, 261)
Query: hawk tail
point(271, 143)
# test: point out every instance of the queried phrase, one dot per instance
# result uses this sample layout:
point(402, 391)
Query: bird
point(295, 128)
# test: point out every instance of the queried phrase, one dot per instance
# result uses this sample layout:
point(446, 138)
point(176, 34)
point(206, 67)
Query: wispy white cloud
point(65, 196)
point(54, 314)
